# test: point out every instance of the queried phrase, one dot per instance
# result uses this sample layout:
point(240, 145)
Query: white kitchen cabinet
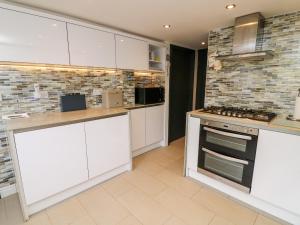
point(132, 53)
point(138, 128)
point(108, 145)
point(91, 47)
point(192, 143)
point(32, 39)
point(276, 176)
point(51, 160)
point(154, 124)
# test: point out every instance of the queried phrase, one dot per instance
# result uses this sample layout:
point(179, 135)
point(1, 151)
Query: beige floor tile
point(176, 167)
point(184, 208)
point(117, 186)
point(84, 221)
point(181, 184)
point(225, 207)
point(146, 183)
point(40, 218)
point(130, 220)
point(102, 207)
point(66, 212)
point(150, 168)
point(164, 156)
point(144, 208)
point(263, 220)
point(12, 211)
point(174, 221)
point(221, 221)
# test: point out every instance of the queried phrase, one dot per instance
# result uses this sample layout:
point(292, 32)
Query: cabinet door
point(193, 143)
point(90, 47)
point(107, 143)
point(154, 124)
point(51, 160)
point(277, 170)
point(32, 39)
point(138, 128)
point(132, 53)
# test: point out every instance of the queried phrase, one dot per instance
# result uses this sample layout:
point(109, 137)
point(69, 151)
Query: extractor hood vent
point(258, 55)
point(248, 38)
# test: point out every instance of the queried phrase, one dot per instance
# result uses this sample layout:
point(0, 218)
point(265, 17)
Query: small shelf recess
point(157, 55)
point(259, 55)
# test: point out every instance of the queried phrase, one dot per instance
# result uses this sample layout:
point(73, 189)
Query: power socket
point(97, 91)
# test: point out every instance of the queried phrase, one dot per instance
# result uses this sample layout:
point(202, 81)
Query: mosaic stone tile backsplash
point(270, 84)
point(17, 92)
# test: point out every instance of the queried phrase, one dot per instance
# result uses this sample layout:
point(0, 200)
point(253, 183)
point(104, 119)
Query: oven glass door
point(236, 170)
point(228, 142)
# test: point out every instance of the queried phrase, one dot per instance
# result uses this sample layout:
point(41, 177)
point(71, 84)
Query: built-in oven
point(227, 152)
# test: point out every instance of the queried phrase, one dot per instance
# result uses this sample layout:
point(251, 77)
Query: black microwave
point(149, 95)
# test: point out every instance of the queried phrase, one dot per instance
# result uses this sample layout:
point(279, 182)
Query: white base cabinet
point(154, 124)
point(138, 128)
point(55, 163)
point(147, 127)
point(51, 160)
point(192, 143)
point(107, 142)
point(276, 176)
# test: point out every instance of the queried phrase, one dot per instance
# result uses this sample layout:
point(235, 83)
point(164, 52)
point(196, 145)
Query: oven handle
point(244, 162)
point(228, 134)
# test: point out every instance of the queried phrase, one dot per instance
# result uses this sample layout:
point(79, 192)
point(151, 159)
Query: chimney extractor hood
point(247, 39)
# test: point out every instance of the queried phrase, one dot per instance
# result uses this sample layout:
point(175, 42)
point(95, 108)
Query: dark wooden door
point(181, 89)
point(201, 78)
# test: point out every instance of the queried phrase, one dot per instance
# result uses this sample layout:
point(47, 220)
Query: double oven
point(227, 153)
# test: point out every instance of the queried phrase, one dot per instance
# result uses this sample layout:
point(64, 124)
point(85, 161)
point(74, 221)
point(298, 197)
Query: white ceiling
point(191, 20)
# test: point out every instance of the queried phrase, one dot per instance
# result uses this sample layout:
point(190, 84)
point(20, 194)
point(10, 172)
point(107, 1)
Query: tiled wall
point(271, 84)
point(17, 91)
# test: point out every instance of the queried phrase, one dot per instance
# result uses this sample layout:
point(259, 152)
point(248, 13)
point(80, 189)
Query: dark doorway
point(201, 78)
point(181, 89)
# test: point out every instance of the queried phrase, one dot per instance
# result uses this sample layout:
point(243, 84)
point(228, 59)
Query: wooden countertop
point(279, 124)
point(51, 119)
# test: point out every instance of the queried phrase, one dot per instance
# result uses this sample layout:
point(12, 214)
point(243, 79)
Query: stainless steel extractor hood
point(247, 39)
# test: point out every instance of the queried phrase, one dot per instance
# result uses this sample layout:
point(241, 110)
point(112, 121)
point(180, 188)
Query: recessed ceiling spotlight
point(203, 43)
point(230, 6)
point(167, 26)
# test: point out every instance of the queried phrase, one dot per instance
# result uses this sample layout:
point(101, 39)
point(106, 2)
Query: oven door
point(232, 169)
point(230, 143)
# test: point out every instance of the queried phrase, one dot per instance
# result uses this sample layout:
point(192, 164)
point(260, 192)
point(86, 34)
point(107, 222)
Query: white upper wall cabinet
point(132, 53)
point(91, 47)
point(32, 39)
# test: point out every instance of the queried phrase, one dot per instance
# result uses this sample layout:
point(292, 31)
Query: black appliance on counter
point(149, 95)
point(72, 102)
point(227, 153)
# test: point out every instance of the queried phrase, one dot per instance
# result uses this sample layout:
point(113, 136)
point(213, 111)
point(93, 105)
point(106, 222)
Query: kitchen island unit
point(57, 155)
point(275, 181)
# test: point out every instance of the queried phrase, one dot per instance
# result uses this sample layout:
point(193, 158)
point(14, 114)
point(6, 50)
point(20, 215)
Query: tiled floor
point(153, 193)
